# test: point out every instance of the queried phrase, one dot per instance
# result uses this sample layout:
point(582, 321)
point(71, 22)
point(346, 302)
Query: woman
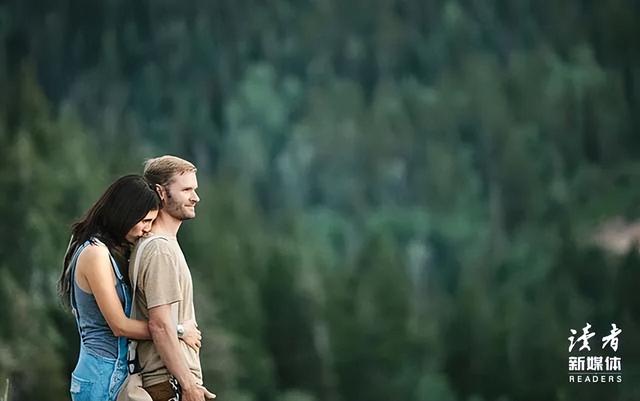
point(94, 281)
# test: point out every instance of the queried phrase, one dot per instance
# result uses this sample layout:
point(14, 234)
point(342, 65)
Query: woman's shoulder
point(93, 252)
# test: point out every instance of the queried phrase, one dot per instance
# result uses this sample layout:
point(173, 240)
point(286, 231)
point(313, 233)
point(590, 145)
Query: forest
point(401, 200)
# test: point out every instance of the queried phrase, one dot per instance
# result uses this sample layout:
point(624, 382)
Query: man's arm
point(166, 341)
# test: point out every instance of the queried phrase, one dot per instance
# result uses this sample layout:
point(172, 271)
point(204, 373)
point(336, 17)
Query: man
point(170, 370)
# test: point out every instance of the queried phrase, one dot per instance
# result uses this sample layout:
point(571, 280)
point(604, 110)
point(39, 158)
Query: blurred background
point(402, 200)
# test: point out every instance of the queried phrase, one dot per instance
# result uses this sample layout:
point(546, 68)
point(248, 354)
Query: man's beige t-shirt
point(163, 279)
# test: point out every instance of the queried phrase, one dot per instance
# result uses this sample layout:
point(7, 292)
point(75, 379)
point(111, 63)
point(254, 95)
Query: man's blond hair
point(161, 170)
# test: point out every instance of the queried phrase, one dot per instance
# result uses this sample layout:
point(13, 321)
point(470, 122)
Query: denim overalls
point(98, 377)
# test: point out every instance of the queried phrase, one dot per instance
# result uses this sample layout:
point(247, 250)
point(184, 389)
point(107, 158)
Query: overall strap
point(114, 264)
point(72, 282)
point(72, 273)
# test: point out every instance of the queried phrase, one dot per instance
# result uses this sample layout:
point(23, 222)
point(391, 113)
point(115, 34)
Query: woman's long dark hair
point(123, 205)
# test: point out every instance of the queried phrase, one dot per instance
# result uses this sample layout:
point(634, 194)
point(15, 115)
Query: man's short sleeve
point(159, 274)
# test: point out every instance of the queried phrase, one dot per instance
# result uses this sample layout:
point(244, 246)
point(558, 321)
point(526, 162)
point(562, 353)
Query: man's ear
point(160, 191)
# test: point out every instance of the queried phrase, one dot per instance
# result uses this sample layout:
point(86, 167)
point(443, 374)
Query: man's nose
point(195, 197)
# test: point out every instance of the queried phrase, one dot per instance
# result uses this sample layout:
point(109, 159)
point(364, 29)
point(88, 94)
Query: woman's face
point(142, 227)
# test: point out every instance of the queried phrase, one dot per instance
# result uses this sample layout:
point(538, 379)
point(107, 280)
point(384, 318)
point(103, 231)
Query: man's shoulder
point(149, 248)
point(152, 243)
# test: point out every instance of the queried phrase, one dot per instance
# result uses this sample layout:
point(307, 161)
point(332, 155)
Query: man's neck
point(166, 225)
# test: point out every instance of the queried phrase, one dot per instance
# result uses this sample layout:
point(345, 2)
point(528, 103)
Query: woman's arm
point(192, 336)
point(94, 266)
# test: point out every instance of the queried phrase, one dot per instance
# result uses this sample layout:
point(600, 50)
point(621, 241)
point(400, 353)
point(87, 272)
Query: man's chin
point(188, 213)
point(188, 216)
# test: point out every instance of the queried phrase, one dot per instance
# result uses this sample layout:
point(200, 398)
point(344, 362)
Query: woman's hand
point(192, 336)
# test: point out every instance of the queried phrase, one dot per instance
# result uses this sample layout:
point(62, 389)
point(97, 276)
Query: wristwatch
point(180, 329)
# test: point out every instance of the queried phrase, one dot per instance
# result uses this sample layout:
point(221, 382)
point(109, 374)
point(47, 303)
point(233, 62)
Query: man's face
point(180, 197)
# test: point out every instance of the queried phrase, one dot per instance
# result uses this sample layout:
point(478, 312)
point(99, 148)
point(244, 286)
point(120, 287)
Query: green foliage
point(397, 196)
